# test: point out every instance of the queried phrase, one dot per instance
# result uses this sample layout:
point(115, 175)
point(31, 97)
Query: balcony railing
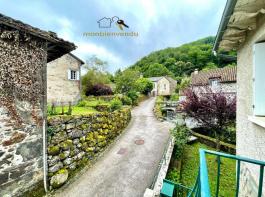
point(202, 185)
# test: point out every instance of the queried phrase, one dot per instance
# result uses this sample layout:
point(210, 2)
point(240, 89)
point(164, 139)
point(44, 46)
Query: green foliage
point(210, 66)
point(143, 85)
point(174, 97)
point(174, 175)
point(181, 60)
point(126, 100)
point(133, 96)
point(125, 81)
point(184, 83)
point(156, 70)
point(93, 77)
point(157, 108)
point(115, 104)
point(181, 135)
point(190, 166)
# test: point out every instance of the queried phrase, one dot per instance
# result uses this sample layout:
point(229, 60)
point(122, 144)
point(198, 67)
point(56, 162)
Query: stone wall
point(76, 140)
point(250, 136)
point(22, 100)
point(59, 88)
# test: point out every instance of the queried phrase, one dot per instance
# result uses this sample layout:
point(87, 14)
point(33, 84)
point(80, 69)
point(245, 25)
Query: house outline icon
point(104, 22)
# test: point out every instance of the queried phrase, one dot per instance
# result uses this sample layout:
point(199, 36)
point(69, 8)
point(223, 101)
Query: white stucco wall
point(250, 137)
point(59, 87)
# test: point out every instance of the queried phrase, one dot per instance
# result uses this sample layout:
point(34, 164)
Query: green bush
point(133, 96)
point(126, 100)
point(115, 104)
point(174, 97)
point(81, 103)
point(181, 134)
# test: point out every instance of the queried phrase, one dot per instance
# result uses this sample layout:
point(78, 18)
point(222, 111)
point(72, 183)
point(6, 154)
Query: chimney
point(196, 71)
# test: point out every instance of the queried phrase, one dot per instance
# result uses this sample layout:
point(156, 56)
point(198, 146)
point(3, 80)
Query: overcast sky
point(159, 23)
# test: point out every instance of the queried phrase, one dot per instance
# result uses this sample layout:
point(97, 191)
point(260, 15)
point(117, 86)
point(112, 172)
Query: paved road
point(127, 169)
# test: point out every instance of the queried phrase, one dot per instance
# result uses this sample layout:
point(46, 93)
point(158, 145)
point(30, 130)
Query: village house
point(242, 28)
point(64, 80)
point(163, 86)
point(24, 52)
point(218, 80)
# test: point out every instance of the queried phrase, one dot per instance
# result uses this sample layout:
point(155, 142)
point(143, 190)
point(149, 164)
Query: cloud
point(160, 23)
point(86, 49)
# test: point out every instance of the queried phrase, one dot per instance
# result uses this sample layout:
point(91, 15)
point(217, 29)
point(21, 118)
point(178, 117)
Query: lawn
point(190, 168)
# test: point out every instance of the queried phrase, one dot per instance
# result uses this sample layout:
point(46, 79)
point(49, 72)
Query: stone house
point(163, 86)
point(218, 80)
point(242, 28)
point(64, 80)
point(24, 52)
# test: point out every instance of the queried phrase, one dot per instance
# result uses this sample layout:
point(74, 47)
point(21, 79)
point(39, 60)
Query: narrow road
point(127, 169)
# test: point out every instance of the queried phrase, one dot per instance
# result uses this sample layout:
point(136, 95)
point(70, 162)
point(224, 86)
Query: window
point(259, 79)
point(73, 74)
point(165, 86)
point(214, 82)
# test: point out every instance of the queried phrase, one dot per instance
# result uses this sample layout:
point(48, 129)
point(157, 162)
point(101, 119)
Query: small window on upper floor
point(73, 74)
point(165, 86)
point(214, 82)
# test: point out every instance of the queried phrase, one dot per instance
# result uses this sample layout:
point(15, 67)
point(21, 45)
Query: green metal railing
point(202, 185)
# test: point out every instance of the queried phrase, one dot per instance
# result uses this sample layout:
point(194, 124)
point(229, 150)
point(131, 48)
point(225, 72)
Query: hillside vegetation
point(180, 61)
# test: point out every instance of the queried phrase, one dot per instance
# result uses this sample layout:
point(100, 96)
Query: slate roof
point(226, 74)
point(56, 46)
point(155, 79)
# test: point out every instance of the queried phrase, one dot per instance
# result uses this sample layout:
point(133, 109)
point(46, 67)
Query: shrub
point(134, 96)
point(213, 110)
point(115, 104)
point(126, 100)
point(174, 97)
point(181, 134)
point(99, 90)
point(143, 85)
point(81, 103)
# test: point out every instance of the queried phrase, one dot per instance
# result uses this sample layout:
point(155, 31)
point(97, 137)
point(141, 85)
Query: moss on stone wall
point(75, 140)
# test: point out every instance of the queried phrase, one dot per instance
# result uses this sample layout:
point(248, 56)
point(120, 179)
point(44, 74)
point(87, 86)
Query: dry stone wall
point(22, 97)
point(76, 140)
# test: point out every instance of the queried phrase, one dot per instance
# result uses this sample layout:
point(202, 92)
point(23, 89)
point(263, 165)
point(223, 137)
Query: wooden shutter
point(77, 75)
point(259, 79)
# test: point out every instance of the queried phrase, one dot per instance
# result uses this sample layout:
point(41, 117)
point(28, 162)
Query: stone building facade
point(163, 86)
point(64, 80)
point(250, 127)
point(24, 52)
point(218, 80)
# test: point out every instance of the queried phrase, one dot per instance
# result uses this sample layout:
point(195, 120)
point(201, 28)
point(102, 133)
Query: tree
point(125, 81)
point(185, 83)
point(143, 85)
point(99, 90)
point(93, 77)
point(213, 110)
point(95, 63)
point(156, 70)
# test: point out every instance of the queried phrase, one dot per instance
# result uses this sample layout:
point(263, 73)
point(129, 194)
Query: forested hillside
point(180, 61)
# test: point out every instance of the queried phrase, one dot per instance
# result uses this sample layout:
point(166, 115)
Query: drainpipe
point(44, 125)
point(229, 9)
point(45, 167)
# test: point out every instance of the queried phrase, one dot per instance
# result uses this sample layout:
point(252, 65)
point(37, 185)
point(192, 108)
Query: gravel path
point(127, 169)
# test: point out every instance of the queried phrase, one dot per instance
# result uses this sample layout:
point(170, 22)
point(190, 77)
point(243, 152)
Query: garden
point(216, 115)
